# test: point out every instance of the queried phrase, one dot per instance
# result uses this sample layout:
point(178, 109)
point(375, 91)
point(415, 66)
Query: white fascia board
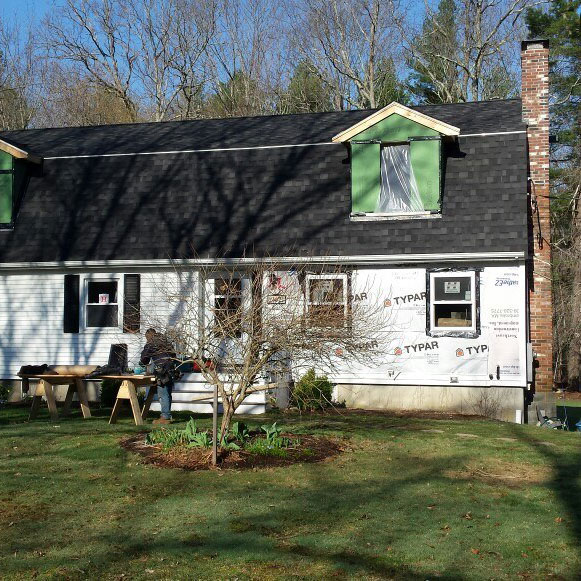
point(403, 111)
point(362, 260)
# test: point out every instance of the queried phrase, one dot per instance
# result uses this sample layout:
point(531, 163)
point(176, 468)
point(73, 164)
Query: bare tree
point(149, 54)
point(96, 35)
point(73, 99)
point(349, 42)
point(238, 325)
point(469, 54)
point(246, 58)
point(20, 76)
point(172, 44)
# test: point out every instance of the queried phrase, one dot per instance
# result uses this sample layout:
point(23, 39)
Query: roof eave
point(19, 153)
point(402, 110)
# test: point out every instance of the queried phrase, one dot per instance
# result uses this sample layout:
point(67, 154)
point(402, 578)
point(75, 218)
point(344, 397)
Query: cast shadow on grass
point(565, 480)
point(319, 507)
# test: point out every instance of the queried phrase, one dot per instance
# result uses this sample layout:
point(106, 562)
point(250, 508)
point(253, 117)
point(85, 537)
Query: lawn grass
point(478, 500)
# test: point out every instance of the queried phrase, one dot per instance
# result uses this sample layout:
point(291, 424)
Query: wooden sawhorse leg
point(79, 387)
point(83, 399)
point(71, 388)
point(127, 391)
point(46, 389)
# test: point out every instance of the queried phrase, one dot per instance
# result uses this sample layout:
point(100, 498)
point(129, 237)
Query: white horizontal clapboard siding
point(31, 321)
point(31, 328)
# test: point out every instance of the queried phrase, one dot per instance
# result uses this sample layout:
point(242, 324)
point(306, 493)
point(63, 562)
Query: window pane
point(453, 288)
point(228, 316)
point(102, 316)
point(224, 286)
point(327, 315)
point(107, 289)
point(453, 315)
point(326, 290)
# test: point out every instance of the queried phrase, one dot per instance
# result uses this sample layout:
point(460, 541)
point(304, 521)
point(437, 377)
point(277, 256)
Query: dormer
point(396, 163)
point(13, 161)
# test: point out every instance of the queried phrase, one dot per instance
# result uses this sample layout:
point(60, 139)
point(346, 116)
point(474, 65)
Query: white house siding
point(31, 322)
point(31, 328)
point(31, 332)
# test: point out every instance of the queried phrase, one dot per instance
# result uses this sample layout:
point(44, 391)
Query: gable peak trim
point(403, 111)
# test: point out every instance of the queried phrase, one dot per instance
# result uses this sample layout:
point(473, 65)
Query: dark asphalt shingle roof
point(486, 116)
point(282, 201)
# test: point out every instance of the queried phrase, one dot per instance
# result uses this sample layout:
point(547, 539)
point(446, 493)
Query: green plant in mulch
point(238, 438)
point(189, 436)
point(273, 444)
point(311, 392)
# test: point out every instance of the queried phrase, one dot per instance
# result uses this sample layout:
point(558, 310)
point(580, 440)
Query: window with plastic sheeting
point(398, 193)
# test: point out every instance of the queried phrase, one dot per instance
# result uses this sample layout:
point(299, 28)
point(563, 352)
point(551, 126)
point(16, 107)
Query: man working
point(160, 352)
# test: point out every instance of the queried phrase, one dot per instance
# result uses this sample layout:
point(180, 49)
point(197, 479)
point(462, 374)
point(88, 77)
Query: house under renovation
point(443, 207)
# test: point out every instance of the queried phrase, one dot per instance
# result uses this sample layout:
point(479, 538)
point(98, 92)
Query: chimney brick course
point(535, 104)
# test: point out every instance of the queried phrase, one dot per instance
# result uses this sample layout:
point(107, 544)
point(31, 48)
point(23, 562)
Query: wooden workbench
point(46, 385)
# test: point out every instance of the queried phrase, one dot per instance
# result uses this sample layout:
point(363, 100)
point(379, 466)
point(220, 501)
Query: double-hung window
point(327, 304)
point(226, 301)
point(453, 302)
point(102, 302)
point(101, 306)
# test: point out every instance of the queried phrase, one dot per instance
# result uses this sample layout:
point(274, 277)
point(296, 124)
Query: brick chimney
point(535, 111)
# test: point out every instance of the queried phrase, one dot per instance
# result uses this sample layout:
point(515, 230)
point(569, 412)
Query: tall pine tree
point(561, 24)
point(436, 80)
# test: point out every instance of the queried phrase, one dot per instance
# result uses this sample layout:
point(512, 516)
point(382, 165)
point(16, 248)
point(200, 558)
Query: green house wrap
point(425, 161)
point(6, 187)
point(365, 176)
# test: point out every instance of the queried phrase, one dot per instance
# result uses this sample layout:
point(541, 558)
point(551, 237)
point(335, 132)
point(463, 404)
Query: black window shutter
point(131, 303)
point(71, 304)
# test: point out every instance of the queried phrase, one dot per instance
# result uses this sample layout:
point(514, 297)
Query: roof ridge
point(227, 119)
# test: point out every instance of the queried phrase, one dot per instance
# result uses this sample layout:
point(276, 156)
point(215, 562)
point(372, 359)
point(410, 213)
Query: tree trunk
point(227, 415)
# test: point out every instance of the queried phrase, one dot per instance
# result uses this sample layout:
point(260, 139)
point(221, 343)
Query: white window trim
point(472, 301)
point(310, 277)
point(210, 295)
point(101, 277)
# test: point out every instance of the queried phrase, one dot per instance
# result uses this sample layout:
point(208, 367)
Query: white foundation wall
point(502, 403)
point(31, 319)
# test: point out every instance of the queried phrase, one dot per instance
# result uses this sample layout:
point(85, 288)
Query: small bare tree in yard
point(239, 326)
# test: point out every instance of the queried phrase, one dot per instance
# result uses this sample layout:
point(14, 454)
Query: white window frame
point(341, 276)
point(87, 279)
point(450, 274)
point(211, 295)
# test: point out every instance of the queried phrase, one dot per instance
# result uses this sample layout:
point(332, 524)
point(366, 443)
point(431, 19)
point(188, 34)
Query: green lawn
point(478, 500)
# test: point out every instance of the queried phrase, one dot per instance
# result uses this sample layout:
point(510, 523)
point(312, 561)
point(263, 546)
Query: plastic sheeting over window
point(399, 192)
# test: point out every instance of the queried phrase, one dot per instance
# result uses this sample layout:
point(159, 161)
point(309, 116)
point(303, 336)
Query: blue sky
point(9, 9)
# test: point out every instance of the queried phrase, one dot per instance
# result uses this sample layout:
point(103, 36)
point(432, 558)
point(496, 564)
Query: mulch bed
point(307, 450)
